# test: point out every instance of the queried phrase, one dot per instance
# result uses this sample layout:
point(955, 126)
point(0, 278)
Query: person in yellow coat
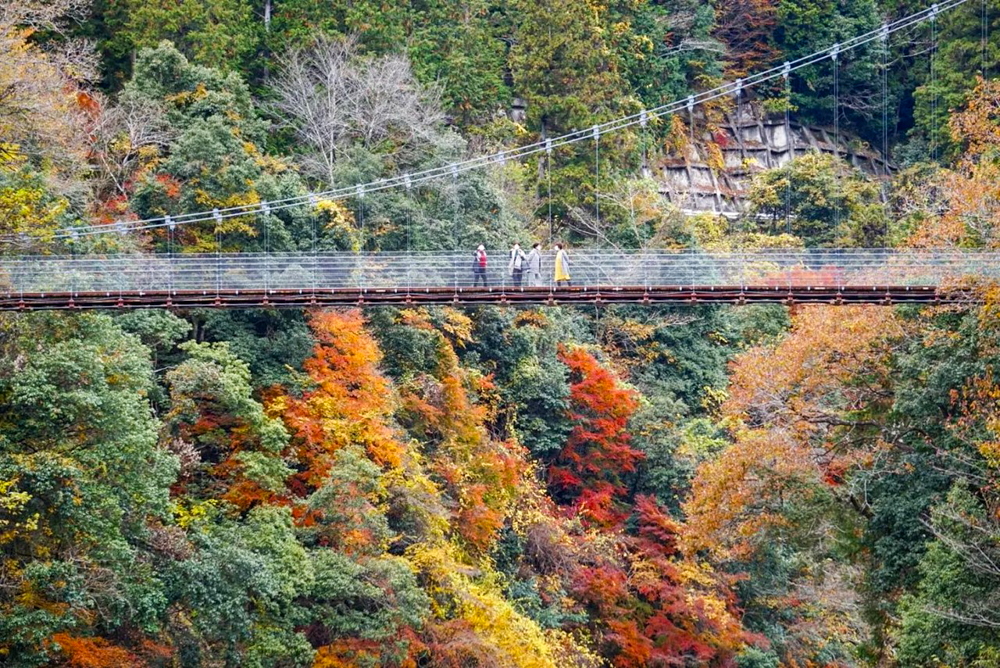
point(561, 277)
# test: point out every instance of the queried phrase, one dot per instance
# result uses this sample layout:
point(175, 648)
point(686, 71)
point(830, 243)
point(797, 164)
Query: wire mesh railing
point(206, 273)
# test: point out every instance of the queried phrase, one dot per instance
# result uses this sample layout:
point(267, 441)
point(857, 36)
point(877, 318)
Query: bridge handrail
point(589, 268)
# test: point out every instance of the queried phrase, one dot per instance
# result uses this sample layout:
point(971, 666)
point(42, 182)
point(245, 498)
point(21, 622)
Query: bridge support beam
point(272, 298)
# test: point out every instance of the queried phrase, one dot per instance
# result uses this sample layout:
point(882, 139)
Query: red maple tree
point(587, 473)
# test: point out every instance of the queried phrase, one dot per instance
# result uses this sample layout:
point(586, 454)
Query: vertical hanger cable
point(834, 55)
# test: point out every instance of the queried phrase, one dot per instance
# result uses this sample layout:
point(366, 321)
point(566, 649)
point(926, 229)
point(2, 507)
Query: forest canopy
point(495, 486)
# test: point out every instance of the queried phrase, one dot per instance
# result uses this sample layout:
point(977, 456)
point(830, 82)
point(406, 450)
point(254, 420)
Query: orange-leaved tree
point(342, 436)
point(744, 26)
point(805, 414)
point(801, 412)
point(81, 652)
point(348, 459)
point(965, 198)
point(446, 411)
point(350, 401)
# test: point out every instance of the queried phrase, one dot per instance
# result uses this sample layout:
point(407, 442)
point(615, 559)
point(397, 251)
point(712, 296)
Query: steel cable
point(434, 173)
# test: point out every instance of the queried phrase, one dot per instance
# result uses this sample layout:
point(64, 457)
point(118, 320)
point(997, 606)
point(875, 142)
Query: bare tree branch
point(50, 15)
point(40, 112)
point(332, 98)
point(123, 134)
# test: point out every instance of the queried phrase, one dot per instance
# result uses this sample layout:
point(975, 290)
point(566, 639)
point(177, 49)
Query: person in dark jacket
point(479, 267)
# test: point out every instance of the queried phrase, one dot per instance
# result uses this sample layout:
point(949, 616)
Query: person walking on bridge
point(561, 275)
point(534, 265)
point(479, 267)
point(515, 267)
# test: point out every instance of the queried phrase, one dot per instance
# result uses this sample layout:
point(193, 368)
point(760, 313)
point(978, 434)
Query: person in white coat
point(533, 264)
point(515, 265)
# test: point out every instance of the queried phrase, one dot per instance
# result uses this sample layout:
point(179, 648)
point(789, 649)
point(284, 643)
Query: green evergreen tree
point(216, 159)
point(223, 34)
point(456, 45)
point(952, 616)
point(958, 52)
point(84, 487)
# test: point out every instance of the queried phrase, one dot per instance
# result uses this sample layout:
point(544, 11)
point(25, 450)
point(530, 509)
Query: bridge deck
point(472, 296)
point(296, 280)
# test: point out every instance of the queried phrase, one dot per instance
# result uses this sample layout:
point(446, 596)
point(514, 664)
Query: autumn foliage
point(588, 474)
point(785, 404)
point(745, 26)
point(964, 198)
point(94, 653)
point(497, 485)
point(446, 409)
point(350, 401)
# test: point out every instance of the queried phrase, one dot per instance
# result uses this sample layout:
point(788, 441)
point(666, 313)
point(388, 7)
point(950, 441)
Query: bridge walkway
point(247, 280)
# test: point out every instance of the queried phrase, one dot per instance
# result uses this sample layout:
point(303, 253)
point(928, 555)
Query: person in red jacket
point(479, 267)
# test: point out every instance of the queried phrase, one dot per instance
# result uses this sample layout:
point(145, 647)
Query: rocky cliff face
point(711, 172)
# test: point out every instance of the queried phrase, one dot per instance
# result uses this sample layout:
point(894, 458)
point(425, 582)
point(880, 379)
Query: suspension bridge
point(254, 280)
point(246, 280)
